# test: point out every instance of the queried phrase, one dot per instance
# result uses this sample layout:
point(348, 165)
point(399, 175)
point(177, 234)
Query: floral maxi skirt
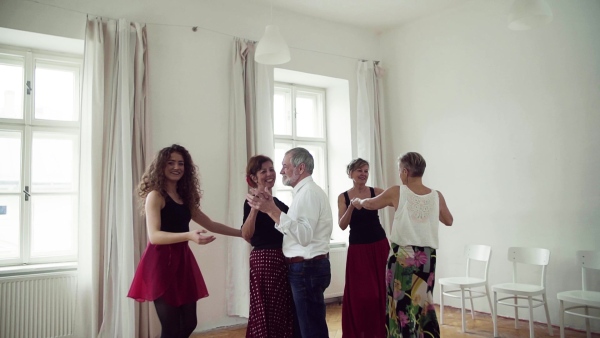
point(410, 279)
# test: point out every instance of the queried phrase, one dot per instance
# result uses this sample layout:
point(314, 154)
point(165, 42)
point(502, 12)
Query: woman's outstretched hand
point(197, 237)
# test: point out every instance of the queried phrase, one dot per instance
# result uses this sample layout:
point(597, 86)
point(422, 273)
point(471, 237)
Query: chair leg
point(531, 333)
point(462, 308)
point(472, 308)
point(487, 293)
point(588, 333)
point(562, 319)
point(516, 313)
point(494, 314)
point(441, 304)
point(550, 330)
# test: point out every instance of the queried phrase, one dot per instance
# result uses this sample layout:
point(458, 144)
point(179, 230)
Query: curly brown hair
point(188, 187)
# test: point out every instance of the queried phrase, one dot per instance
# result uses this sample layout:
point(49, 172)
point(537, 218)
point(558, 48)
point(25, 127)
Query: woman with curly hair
point(168, 273)
point(411, 264)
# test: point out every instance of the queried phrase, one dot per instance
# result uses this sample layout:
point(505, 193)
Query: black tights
point(176, 321)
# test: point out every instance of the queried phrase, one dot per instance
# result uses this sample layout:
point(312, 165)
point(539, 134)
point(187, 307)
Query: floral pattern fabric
point(410, 279)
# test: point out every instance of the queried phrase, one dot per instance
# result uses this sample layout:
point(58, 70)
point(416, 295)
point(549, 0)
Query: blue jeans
point(309, 279)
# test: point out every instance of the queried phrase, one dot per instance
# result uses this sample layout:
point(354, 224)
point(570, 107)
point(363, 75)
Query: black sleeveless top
point(265, 235)
point(175, 217)
point(365, 226)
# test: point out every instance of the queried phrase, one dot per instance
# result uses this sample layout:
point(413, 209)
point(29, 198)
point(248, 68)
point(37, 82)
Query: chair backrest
point(587, 260)
point(531, 256)
point(479, 253)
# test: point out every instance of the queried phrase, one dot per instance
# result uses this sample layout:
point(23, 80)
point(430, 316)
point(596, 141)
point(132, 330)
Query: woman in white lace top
point(414, 240)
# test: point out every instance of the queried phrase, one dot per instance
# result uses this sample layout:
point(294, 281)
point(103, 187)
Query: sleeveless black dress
point(169, 271)
point(363, 308)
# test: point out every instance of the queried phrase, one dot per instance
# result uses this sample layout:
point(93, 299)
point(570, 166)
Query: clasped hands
point(261, 200)
point(356, 202)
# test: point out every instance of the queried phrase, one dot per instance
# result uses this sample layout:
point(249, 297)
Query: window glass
point(10, 220)
point(282, 112)
point(10, 170)
point(309, 115)
point(11, 89)
point(56, 93)
point(53, 225)
point(54, 162)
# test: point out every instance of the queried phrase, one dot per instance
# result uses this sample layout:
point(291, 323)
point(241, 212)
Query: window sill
point(31, 269)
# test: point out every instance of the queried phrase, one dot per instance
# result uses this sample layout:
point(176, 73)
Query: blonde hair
point(414, 163)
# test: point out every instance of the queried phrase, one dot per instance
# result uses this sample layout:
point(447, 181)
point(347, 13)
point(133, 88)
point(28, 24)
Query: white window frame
point(27, 126)
point(294, 140)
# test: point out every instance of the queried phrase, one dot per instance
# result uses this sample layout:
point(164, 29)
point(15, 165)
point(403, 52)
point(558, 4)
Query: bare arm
point(344, 213)
point(154, 203)
point(388, 198)
point(445, 215)
point(199, 217)
point(249, 224)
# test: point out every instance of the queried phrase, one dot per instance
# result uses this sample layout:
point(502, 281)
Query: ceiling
point(372, 14)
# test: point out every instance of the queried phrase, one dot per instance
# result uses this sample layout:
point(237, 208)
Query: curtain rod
point(195, 29)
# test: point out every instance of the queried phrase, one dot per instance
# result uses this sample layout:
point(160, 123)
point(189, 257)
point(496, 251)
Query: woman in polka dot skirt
point(271, 303)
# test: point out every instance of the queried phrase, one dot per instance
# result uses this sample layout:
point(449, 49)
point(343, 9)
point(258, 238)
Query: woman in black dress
point(363, 309)
point(271, 303)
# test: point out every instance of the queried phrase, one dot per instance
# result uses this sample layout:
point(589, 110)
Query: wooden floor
point(481, 326)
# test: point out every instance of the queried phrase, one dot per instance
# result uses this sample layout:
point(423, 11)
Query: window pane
point(10, 170)
point(53, 220)
point(11, 90)
point(54, 162)
point(319, 174)
point(282, 112)
point(280, 149)
point(10, 219)
point(56, 93)
point(309, 115)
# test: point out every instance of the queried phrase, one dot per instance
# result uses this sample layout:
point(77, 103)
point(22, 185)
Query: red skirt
point(271, 302)
point(169, 271)
point(363, 307)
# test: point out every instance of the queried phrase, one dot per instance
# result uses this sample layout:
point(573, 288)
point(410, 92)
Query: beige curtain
point(250, 133)
point(114, 155)
point(370, 125)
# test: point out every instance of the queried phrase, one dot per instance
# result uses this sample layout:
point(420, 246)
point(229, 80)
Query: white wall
point(189, 84)
point(508, 123)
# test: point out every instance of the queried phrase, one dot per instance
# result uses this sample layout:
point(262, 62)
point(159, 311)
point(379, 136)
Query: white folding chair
point(530, 256)
point(461, 284)
point(584, 299)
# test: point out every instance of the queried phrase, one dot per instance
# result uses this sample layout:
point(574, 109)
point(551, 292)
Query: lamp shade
point(526, 14)
point(272, 49)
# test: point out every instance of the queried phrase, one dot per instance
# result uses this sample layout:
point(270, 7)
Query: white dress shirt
point(308, 224)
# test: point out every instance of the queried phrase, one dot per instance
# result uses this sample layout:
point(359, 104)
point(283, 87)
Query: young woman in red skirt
point(271, 303)
point(363, 307)
point(168, 273)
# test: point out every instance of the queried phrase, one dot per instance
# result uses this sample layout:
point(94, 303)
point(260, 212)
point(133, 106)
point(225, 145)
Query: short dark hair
point(414, 163)
point(355, 164)
point(254, 165)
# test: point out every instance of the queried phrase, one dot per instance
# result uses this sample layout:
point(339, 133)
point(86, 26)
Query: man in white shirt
point(307, 228)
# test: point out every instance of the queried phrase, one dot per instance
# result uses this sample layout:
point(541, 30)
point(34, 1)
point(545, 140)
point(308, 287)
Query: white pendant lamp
point(272, 49)
point(526, 14)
